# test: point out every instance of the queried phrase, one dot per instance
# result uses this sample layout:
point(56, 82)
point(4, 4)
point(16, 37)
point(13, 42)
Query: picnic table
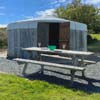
point(73, 68)
point(74, 54)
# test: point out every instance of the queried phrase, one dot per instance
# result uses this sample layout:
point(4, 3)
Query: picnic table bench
point(72, 69)
point(86, 62)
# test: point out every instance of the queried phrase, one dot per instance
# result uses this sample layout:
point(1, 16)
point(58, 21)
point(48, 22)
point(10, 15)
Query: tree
point(76, 3)
point(96, 25)
point(84, 13)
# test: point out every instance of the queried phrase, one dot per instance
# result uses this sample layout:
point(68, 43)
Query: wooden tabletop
point(58, 51)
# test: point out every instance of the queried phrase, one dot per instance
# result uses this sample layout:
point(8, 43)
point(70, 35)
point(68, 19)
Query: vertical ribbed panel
point(78, 36)
point(10, 43)
point(21, 38)
point(78, 40)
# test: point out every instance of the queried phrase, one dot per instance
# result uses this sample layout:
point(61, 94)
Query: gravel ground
point(90, 83)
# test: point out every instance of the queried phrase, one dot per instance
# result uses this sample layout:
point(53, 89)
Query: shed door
point(64, 35)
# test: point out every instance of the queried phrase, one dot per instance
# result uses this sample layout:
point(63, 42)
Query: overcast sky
point(14, 10)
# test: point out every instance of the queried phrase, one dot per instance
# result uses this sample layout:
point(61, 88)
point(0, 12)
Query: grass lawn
point(95, 46)
point(16, 88)
point(95, 36)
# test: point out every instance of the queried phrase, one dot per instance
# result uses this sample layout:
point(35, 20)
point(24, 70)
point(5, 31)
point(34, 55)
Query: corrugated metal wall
point(11, 43)
point(78, 40)
point(78, 36)
point(21, 38)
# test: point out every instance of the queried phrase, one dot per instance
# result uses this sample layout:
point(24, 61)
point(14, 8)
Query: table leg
point(39, 56)
point(75, 63)
point(75, 60)
point(82, 60)
point(83, 65)
point(42, 66)
point(83, 75)
point(42, 69)
point(72, 76)
point(30, 54)
point(24, 69)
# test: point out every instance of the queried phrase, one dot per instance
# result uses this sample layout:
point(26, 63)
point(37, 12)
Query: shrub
point(90, 39)
point(3, 38)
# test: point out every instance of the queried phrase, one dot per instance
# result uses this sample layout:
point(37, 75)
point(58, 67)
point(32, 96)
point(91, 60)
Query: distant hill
point(3, 38)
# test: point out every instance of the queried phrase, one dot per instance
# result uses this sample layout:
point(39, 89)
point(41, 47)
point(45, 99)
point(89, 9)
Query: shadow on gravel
point(90, 88)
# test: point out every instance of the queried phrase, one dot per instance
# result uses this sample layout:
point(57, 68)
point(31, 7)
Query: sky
point(15, 10)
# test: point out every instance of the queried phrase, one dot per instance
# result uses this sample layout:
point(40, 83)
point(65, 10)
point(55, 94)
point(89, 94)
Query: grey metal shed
point(47, 31)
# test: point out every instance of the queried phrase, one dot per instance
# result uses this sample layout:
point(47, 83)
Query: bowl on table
point(52, 47)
